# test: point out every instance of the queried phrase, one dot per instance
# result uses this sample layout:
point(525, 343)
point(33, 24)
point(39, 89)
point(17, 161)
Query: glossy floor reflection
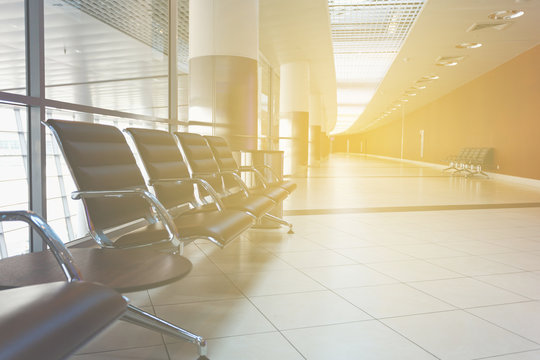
point(440, 284)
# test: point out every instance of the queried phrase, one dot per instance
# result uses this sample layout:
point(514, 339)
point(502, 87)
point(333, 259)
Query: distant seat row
point(471, 161)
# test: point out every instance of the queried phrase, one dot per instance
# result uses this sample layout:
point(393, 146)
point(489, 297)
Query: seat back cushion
point(162, 159)
point(222, 153)
point(199, 157)
point(100, 159)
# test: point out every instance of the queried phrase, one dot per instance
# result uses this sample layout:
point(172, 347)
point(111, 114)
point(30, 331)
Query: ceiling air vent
point(489, 25)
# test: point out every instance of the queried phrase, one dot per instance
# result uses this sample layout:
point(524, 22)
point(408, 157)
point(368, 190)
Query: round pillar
point(294, 111)
point(315, 116)
point(325, 140)
point(223, 52)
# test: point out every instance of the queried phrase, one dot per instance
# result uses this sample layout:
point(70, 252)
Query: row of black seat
point(197, 193)
point(471, 161)
point(115, 193)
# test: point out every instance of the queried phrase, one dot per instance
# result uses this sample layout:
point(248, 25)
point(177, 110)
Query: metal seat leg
point(279, 221)
point(139, 317)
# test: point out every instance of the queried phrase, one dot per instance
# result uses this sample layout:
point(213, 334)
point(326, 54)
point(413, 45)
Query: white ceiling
point(366, 36)
point(79, 64)
point(291, 31)
point(299, 30)
point(440, 27)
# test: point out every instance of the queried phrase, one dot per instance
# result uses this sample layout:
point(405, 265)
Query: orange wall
point(500, 109)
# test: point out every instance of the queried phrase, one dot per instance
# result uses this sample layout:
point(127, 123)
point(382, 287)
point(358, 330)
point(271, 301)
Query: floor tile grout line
point(401, 209)
point(503, 288)
point(501, 327)
point(115, 350)
point(512, 353)
point(410, 340)
point(265, 317)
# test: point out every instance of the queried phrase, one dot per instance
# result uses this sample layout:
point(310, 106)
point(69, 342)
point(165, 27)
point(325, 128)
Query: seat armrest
point(238, 180)
point(205, 184)
point(161, 211)
point(257, 173)
point(60, 252)
point(275, 176)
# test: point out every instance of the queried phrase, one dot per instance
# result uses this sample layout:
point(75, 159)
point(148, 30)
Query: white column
point(294, 87)
point(315, 114)
point(294, 111)
point(223, 51)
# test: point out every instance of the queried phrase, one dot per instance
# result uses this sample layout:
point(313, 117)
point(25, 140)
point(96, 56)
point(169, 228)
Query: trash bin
point(259, 159)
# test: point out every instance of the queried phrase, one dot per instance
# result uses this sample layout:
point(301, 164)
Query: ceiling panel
point(439, 28)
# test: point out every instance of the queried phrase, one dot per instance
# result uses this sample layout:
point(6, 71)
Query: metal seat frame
point(157, 213)
point(219, 174)
point(72, 273)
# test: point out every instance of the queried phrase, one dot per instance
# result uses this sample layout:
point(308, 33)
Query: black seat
point(169, 175)
point(51, 321)
point(124, 270)
point(277, 189)
point(115, 194)
point(119, 269)
point(202, 164)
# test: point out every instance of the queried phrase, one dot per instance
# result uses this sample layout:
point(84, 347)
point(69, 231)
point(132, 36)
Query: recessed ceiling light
point(404, 100)
point(468, 45)
point(446, 63)
point(410, 94)
point(419, 87)
point(506, 14)
point(427, 78)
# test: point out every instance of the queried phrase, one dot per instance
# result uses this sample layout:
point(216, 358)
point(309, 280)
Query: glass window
point(285, 145)
point(201, 129)
point(183, 98)
point(12, 47)
point(108, 55)
point(13, 177)
point(264, 129)
point(274, 121)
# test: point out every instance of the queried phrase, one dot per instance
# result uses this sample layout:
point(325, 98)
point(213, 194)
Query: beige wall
point(500, 109)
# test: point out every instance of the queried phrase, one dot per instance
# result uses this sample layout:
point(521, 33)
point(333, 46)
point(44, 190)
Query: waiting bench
point(471, 161)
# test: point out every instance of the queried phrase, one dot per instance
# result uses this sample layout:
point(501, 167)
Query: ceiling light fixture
point(367, 36)
point(446, 63)
point(505, 14)
point(427, 78)
point(469, 45)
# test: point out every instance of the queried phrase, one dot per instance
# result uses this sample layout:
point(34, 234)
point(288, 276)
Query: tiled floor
point(361, 280)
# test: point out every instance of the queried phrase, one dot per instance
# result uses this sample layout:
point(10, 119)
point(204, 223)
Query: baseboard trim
point(502, 177)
